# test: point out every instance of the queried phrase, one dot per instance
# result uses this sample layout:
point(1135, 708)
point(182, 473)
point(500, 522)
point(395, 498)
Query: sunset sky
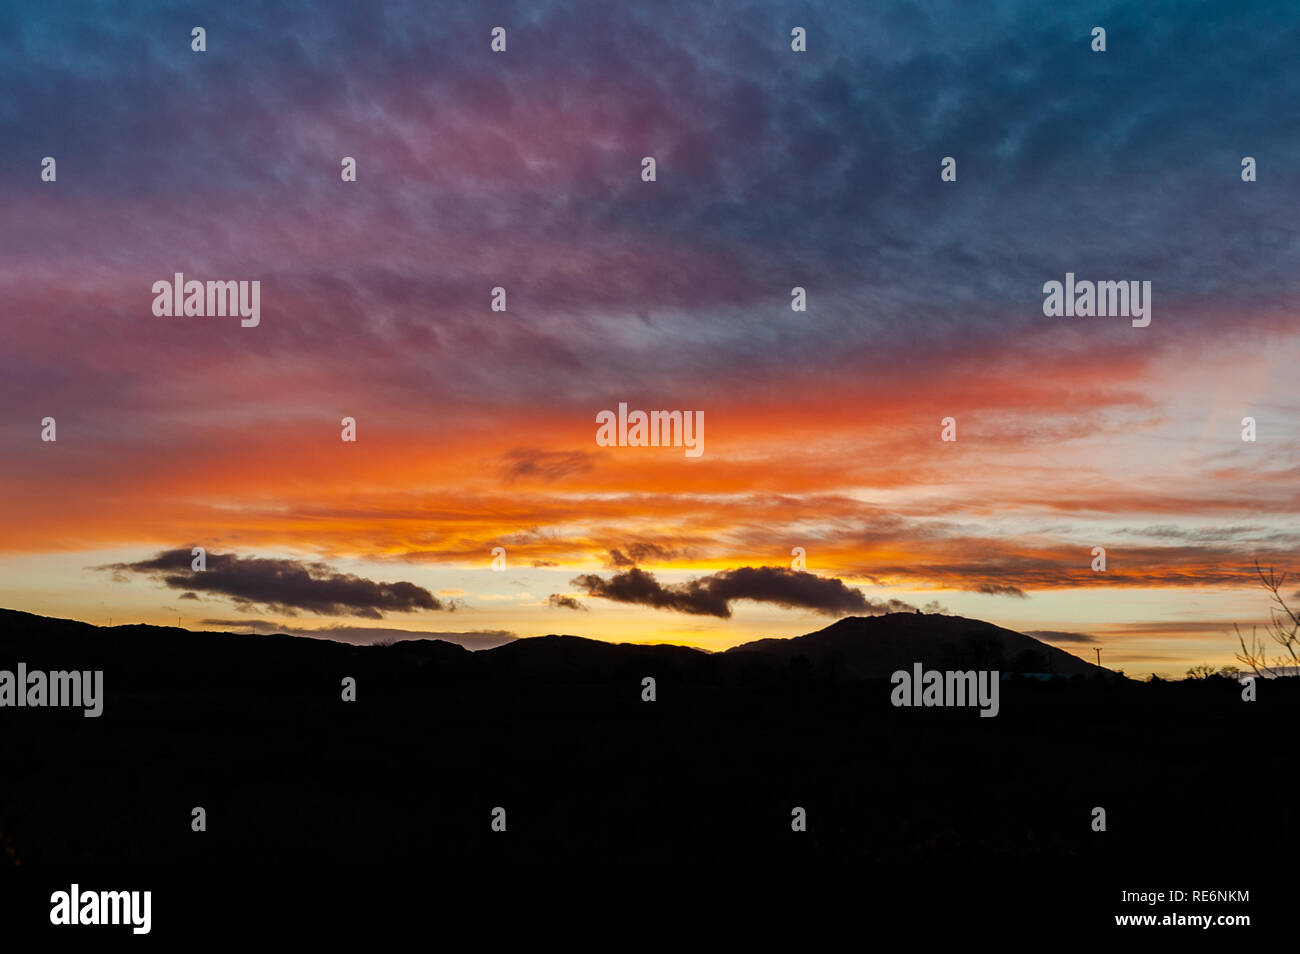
point(476, 429)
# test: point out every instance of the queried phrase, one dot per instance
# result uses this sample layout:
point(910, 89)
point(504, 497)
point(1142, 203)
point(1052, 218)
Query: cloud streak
point(365, 635)
point(1055, 636)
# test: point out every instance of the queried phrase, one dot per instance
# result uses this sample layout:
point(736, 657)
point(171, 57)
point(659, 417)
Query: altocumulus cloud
point(712, 595)
point(282, 585)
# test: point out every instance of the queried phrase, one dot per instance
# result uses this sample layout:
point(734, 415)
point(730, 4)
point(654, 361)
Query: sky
point(476, 429)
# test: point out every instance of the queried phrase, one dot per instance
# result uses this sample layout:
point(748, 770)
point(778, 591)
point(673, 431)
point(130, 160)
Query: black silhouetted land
point(253, 729)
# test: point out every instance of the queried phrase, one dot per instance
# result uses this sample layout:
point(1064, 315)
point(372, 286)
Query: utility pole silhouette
point(1097, 650)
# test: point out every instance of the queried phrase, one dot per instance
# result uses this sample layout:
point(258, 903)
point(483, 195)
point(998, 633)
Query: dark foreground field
point(253, 729)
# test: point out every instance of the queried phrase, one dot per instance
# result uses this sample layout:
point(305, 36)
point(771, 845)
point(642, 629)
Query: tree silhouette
point(1283, 628)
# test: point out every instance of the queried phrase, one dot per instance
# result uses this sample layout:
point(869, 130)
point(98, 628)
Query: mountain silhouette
point(852, 649)
point(873, 647)
point(258, 730)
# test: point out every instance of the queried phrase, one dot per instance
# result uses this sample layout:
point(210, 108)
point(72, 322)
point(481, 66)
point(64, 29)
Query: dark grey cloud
point(635, 553)
point(282, 585)
point(1001, 589)
point(531, 462)
point(1053, 636)
point(560, 601)
point(712, 595)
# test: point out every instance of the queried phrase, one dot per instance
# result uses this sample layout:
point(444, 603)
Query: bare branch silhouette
point(1282, 629)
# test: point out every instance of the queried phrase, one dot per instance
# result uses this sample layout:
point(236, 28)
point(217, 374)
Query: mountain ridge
point(870, 645)
point(853, 648)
